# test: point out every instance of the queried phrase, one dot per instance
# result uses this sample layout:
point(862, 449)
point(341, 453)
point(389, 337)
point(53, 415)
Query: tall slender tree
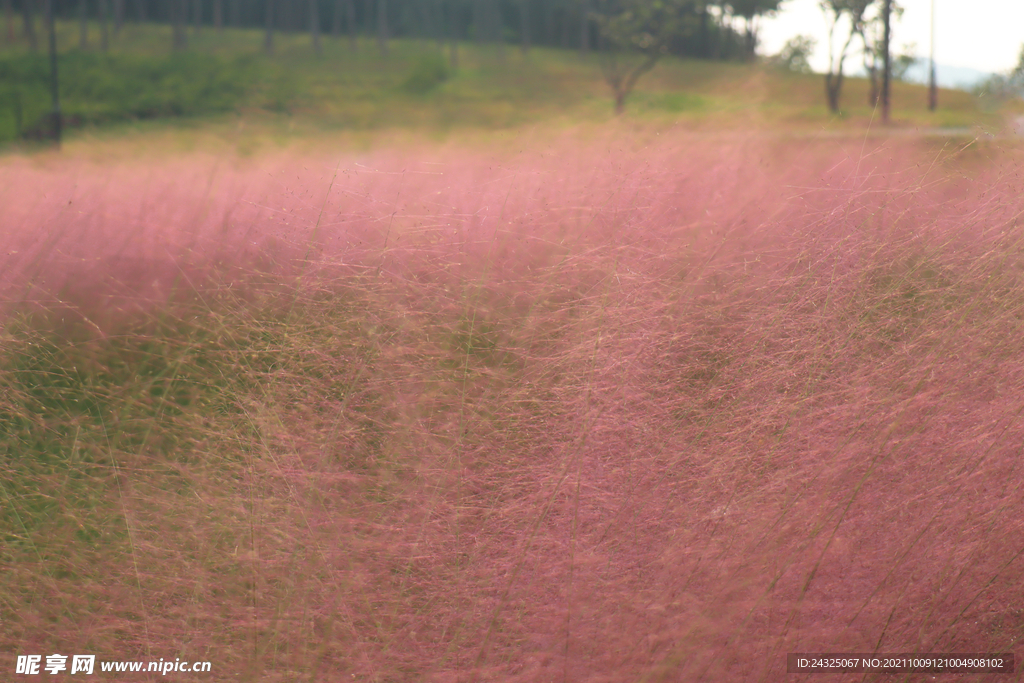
point(268, 26)
point(197, 15)
point(350, 6)
point(314, 26)
point(178, 11)
point(29, 24)
point(452, 17)
point(140, 11)
point(382, 27)
point(118, 17)
point(236, 13)
point(83, 24)
point(584, 27)
point(9, 19)
point(218, 15)
point(524, 25)
point(104, 27)
point(51, 31)
point(886, 58)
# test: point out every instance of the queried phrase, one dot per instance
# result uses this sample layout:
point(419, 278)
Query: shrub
point(427, 74)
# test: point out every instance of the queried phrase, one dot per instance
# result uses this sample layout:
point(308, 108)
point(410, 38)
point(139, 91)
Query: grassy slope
point(293, 93)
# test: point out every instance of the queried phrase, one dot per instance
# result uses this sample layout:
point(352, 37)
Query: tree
point(524, 25)
point(29, 24)
point(218, 15)
point(794, 54)
point(104, 31)
point(382, 27)
point(637, 34)
point(83, 24)
point(750, 11)
point(178, 11)
point(314, 26)
point(118, 17)
point(835, 12)
point(268, 26)
point(886, 57)
point(9, 19)
point(585, 27)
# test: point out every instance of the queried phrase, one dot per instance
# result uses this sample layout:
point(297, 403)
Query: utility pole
point(933, 90)
point(54, 92)
point(886, 60)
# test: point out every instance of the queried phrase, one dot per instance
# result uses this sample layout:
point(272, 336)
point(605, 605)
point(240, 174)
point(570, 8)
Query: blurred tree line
point(627, 37)
point(710, 29)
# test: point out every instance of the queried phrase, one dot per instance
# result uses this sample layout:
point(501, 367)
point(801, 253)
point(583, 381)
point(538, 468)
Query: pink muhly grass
point(617, 408)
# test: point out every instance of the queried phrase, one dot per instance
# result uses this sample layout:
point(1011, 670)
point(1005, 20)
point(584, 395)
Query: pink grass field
point(646, 407)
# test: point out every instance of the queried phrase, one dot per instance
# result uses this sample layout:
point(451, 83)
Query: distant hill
point(956, 77)
point(960, 77)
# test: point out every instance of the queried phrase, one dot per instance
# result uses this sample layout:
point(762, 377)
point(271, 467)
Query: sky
point(978, 34)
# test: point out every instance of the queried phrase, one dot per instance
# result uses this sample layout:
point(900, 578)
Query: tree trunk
point(218, 15)
point(873, 91)
point(140, 11)
point(350, 6)
point(585, 28)
point(524, 24)
point(886, 60)
point(197, 15)
point(314, 26)
point(236, 13)
point(118, 17)
point(453, 34)
point(703, 44)
point(833, 88)
point(549, 24)
point(9, 18)
point(29, 23)
point(268, 20)
point(498, 29)
point(104, 29)
point(620, 102)
point(382, 27)
point(178, 8)
point(336, 20)
point(83, 25)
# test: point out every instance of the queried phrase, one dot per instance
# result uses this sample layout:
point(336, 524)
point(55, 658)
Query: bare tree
point(29, 24)
point(314, 26)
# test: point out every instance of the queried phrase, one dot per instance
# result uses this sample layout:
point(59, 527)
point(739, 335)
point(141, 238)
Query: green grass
point(139, 78)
